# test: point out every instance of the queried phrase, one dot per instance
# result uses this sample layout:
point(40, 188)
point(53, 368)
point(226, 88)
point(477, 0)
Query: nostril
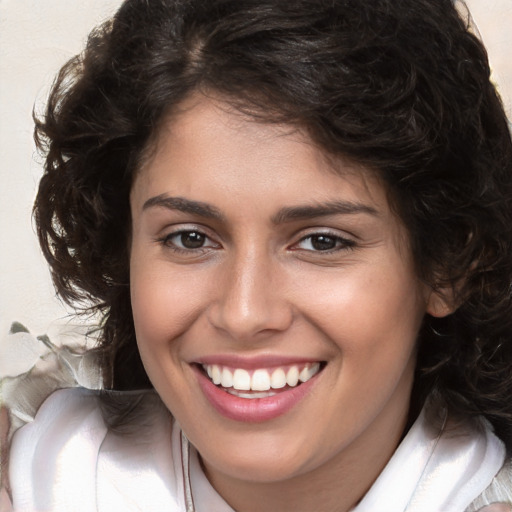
point(248, 302)
point(245, 321)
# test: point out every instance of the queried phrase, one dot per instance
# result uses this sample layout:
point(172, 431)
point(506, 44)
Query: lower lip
point(253, 410)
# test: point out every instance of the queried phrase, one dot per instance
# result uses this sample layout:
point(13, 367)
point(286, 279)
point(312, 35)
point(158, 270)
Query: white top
point(69, 459)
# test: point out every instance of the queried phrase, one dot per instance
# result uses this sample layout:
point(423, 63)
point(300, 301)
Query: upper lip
point(254, 362)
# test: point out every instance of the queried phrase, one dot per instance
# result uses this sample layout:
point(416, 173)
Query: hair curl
point(400, 86)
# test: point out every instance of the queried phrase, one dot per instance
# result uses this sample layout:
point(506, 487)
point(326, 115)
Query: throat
point(300, 494)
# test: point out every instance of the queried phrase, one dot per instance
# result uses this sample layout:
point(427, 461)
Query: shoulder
point(68, 427)
point(498, 492)
point(84, 449)
point(66, 415)
point(444, 463)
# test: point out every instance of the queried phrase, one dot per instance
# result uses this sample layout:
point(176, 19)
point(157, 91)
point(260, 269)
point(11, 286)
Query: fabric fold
point(443, 469)
point(72, 458)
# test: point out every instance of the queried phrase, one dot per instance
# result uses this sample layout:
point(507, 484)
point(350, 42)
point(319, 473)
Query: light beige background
point(36, 38)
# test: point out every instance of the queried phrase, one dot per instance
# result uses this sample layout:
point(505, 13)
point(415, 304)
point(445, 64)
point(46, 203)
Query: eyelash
point(166, 241)
point(340, 242)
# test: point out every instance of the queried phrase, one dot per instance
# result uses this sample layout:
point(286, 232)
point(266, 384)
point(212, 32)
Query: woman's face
point(254, 267)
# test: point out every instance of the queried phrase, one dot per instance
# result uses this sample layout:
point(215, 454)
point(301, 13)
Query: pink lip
point(254, 410)
point(252, 363)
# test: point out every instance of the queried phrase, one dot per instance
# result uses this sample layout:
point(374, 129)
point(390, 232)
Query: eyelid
point(347, 241)
point(177, 229)
point(172, 235)
point(181, 227)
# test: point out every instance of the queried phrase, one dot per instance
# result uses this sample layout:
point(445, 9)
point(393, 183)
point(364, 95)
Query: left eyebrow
point(184, 205)
point(291, 213)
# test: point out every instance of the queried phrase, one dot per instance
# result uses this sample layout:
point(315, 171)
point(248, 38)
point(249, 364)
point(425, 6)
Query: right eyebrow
point(304, 212)
point(184, 205)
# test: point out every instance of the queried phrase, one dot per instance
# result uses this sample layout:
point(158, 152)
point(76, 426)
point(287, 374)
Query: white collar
point(442, 469)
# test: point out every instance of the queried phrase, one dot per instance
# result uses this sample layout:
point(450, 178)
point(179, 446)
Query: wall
point(36, 38)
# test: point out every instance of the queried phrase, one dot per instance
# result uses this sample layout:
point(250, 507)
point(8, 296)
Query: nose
point(250, 299)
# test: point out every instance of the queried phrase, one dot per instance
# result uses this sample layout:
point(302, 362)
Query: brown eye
point(191, 239)
point(323, 242)
point(187, 240)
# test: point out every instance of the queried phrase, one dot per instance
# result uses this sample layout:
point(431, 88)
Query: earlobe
point(441, 303)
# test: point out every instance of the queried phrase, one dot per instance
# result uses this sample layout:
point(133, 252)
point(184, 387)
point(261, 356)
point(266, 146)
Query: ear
point(441, 302)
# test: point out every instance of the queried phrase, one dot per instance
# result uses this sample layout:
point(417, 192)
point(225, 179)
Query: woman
point(295, 218)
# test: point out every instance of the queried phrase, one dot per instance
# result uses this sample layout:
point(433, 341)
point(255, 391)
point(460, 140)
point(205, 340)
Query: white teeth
point(308, 372)
point(278, 379)
point(241, 380)
point(260, 394)
point(216, 375)
point(226, 380)
point(261, 381)
point(292, 377)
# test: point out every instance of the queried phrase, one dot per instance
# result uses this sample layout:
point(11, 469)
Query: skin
point(259, 286)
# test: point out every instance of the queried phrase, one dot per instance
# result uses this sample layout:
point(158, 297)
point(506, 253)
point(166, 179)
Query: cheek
point(163, 309)
point(365, 302)
point(150, 306)
point(165, 303)
point(373, 319)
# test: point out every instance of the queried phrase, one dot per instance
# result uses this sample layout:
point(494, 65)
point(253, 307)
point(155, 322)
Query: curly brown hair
point(400, 86)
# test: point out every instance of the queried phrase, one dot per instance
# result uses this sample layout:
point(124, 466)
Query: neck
point(336, 486)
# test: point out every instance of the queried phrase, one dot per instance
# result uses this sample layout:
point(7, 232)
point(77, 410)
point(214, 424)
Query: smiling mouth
point(260, 382)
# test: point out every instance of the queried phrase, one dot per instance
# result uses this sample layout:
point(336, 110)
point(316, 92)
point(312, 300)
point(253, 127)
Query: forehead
point(207, 143)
